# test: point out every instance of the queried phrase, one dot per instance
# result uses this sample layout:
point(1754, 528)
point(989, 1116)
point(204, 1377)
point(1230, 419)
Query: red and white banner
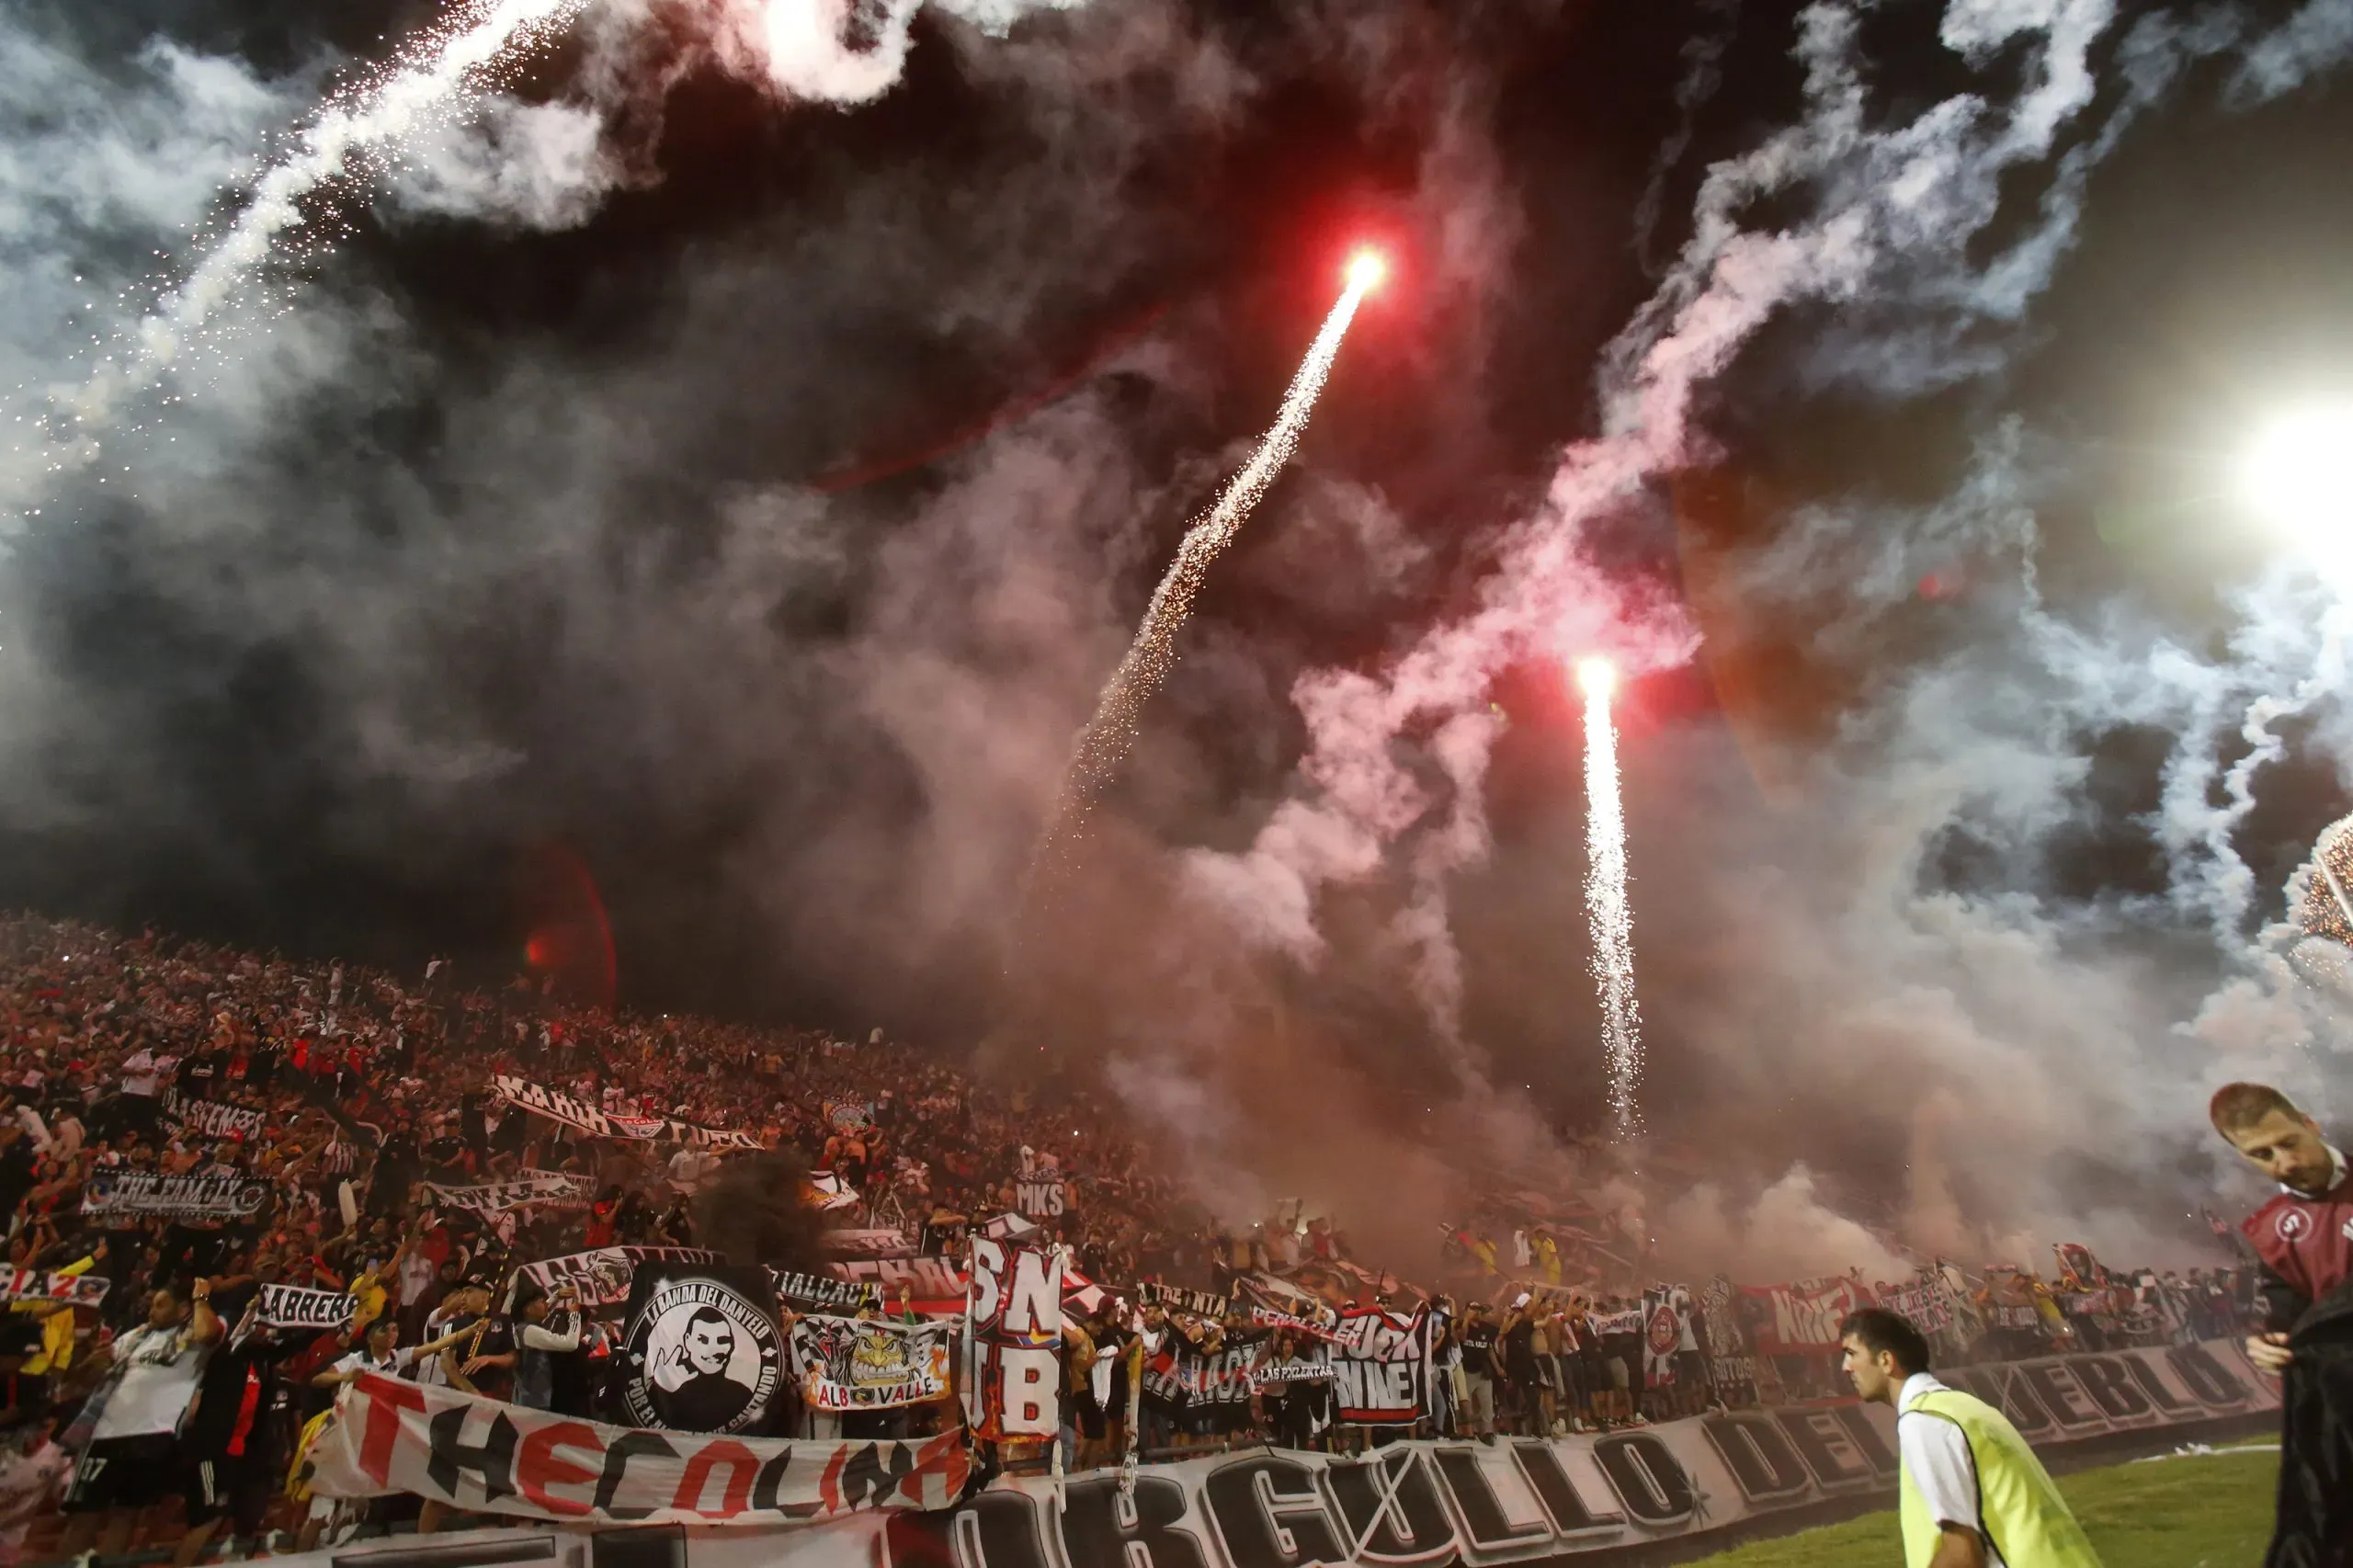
point(388, 1436)
point(1680, 1488)
point(1013, 1386)
point(1803, 1316)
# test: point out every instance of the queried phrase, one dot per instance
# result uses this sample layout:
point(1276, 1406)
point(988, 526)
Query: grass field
point(2197, 1511)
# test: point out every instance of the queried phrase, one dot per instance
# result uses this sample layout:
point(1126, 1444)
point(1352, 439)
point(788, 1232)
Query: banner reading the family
point(213, 1118)
point(110, 1194)
point(1381, 1366)
point(601, 1278)
point(572, 1111)
point(870, 1364)
point(1013, 1385)
point(701, 1348)
point(530, 1188)
point(298, 1306)
point(47, 1285)
point(389, 1436)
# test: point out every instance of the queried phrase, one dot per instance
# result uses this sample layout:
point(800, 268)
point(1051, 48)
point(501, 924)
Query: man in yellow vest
point(1975, 1495)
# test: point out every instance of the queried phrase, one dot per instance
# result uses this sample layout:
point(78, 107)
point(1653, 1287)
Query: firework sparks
point(361, 130)
point(1105, 742)
point(1607, 915)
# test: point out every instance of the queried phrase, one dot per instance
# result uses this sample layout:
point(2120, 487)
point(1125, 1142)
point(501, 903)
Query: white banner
point(212, 1117)
point(600, 1276)
point(1522, 1501)
point(531, 1186)
point(44, 1285)
point(1013, 1387)
point(557, 1106)
point(869, 1363)
point(388, 1436)
point(297, 1306)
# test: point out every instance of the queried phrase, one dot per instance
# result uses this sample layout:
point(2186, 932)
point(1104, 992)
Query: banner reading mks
point(701, 1349)
point(1013, 1381)
point(389, 1437)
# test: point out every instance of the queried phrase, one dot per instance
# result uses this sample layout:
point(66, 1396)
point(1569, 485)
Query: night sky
point(723, 509)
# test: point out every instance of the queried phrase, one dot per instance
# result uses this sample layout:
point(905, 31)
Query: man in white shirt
point(1974, 1496)
point(133, 1457)
point(688, 1166)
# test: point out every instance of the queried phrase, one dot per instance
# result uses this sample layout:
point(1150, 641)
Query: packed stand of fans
point(343, 1105)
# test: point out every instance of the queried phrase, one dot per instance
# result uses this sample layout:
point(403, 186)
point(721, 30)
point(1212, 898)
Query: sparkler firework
point(1106, 740)
point(1607, 915)
point(449, 65)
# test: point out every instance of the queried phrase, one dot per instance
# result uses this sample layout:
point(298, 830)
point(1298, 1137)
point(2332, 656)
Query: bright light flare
point(2297, 474)
point(1610, 917)
point(1104, 744)
point(1367, 270)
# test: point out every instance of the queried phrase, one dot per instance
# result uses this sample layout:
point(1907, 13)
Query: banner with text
point(389, 1437)
point(212, 1117)
point(600, 1276)
point(870, 1364)
point(135, 1194)
point(46, 1285)
point(1013, 1381)
point(529, 1188)
point(1791, 1318)
point(1381, 1366)
point(1525, 1501)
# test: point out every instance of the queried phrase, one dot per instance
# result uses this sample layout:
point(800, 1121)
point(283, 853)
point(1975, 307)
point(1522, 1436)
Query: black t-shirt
point(1479, 1347)
point(496, 1338)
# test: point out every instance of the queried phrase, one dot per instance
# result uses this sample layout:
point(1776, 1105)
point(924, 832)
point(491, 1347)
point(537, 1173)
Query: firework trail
point(442, 69)
point(1104, 744)
point(1607, 915)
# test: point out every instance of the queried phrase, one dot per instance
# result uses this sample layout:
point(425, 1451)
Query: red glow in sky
point(1367, 267)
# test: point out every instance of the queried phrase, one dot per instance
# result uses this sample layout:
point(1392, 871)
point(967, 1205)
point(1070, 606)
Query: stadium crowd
point(347, 1104)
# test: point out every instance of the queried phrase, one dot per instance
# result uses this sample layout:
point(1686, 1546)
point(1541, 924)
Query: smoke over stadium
point(735, 444)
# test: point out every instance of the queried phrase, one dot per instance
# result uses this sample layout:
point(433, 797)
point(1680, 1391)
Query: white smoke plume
point(1855, 972)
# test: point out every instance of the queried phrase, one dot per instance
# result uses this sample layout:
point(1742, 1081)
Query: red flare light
point(1367, 268)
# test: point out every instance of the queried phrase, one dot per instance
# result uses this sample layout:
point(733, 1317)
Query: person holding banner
point(1972, 1495)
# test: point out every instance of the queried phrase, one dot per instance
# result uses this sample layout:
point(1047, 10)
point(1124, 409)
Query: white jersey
point(158, 1382)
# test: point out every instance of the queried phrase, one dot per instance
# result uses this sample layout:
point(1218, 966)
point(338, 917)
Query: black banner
point(701, 1350)
point(180, 1197)
point(815, 1293)
point(1209, 1389)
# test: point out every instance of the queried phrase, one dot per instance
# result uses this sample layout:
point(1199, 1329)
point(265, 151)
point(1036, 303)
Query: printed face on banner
point(707, 1358)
